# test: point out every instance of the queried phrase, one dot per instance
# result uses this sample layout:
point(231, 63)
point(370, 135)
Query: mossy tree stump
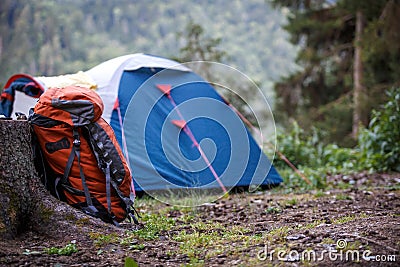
point(25, 205)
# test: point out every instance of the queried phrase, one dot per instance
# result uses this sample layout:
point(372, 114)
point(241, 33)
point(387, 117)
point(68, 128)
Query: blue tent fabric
point(163, 156)
point(7, 101)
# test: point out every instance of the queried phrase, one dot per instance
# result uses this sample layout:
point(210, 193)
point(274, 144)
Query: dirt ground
point(355, 224)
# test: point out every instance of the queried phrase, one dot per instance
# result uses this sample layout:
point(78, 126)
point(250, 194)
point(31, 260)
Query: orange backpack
point(88, 168)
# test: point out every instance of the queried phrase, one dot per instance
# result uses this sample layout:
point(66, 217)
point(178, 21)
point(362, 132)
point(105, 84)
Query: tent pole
point(187, 130)
point(124, 144)
point(166, 90)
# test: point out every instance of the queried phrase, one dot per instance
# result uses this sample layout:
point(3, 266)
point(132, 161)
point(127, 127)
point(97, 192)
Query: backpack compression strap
point(76, 152)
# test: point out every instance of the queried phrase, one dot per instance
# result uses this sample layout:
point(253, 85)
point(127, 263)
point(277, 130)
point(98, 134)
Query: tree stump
point(25, 204)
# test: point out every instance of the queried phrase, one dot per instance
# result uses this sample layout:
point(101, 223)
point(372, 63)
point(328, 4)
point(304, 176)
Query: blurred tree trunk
point(16, 175)
point(24, 202)
point(360, 96)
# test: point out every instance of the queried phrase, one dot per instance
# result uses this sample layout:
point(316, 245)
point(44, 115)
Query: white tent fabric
point(108, 74)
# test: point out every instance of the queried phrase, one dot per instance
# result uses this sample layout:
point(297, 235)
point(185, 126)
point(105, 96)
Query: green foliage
point(319, 194)
point(293, 181)
point(313, 157)
point(378, 149)
point(278, 234)
point(68, 250)
point(199, 47)
point(129, 262)
point(319, 94)
point(299, 148)
point(200, 52)
point(380, 143)
point(53, 37)
point(333, 120)
point(381, 46)
point(338, 159)
point(305, 150)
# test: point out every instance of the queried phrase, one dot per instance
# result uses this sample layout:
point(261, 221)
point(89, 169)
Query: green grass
point(68, 250)
point(279, 234)
point(206, 240)
point(155, 224)
point(100, 239)
point(201, 240)
point(319, 194)
point(312, 224)
point(348, 218)
point(290, 202)
point(194, 244)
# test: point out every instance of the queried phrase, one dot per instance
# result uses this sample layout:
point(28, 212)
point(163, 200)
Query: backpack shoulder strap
point(75, 152)
point(111, 164)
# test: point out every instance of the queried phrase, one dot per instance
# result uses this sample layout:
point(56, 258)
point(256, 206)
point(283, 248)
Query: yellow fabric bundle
point(78, 79)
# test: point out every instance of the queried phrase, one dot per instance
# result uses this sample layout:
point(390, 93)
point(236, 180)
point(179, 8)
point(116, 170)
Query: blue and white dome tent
point(177, 132)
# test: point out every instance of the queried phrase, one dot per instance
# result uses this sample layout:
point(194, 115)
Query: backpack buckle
point(75, 134)
point(77, 142)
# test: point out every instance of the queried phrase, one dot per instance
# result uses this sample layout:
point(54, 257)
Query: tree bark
point(25, 204)
point(360, 96)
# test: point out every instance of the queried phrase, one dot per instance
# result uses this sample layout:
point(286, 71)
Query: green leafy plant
point(378, 149)
point(379, 144)
point(301, 149)
point(305, 150)
point(129, 262)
